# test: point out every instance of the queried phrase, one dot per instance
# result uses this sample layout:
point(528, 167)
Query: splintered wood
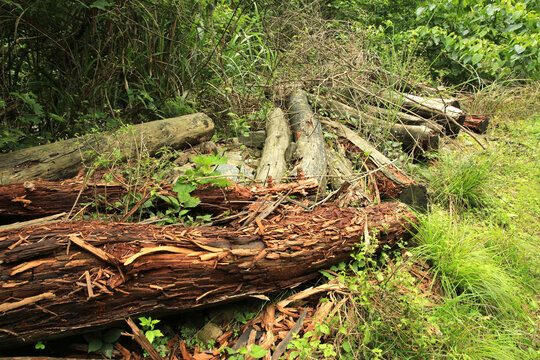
point(67, 277)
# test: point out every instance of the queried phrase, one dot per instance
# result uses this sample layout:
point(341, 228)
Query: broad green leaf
point(346, 346)
point(107, 350)
point(476, 58)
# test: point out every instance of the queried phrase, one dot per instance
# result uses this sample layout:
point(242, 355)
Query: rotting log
point(64, 159)
point(415, 132)
point(66, 278)
point(278, 138)
point(307, 132)
point(448, 116)
point(35, 199)
point(477, 123)
point(413, 137)
point(391, 181)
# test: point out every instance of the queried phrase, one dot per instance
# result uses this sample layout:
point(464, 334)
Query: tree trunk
point(35, 199)
point(65, 278)
point(66, 158)
point(476, 123)
point(309, 137)
point(278, 138)
point(391, 181)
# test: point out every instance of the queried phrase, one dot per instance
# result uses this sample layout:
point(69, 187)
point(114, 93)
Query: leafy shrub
point(490, 38)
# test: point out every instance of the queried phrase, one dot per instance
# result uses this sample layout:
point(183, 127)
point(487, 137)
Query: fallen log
point(278, 138)
point(36, 199)
point(420, 135)
point(308, 134)
point(391, 181)
point(64, 159)
point(448, 116)
point(477, 123)
point(65, 278)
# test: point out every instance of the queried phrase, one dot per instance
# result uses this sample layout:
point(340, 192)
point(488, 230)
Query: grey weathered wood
point(278, 138)
point(339, 168)
point(64, 159)
point(392, 181)
point(413, 136)
point(308, 133)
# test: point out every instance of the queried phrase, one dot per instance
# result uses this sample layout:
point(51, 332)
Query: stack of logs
point(60, 277)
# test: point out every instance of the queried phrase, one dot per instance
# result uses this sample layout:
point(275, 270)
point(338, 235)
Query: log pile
point(65, 277)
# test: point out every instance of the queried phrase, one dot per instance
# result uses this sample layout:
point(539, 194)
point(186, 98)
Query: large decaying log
point(307, 131)
point(65, 278)
point(392, 182)
point(278, 138)
point(35, 199)
point(66, 158)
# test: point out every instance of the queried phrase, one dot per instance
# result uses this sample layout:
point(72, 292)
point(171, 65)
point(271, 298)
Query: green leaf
point(346, 346)
point(94, 344)
point(209, 160)
point(183, 189)
point(101, 4)
point(112, 335)
point(107, 350)
point(519, 49)
point(367, 336)
point(476, 58)
point(257, 351)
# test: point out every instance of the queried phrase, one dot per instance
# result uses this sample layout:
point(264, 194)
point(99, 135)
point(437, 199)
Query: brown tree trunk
point(65, 278)
point(64, 159)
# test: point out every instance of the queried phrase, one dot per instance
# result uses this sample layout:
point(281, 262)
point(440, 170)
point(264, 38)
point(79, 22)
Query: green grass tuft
point(458, 182)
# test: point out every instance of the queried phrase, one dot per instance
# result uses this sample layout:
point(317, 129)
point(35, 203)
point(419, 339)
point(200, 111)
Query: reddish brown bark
point(67, 277)
point(34, 199)
point(476, 123)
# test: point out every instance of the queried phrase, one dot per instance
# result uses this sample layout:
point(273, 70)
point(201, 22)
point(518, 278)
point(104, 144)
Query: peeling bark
point(65, 278)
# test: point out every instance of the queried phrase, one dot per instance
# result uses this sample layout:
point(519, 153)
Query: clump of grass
point(459, 182)
point(467, 269)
